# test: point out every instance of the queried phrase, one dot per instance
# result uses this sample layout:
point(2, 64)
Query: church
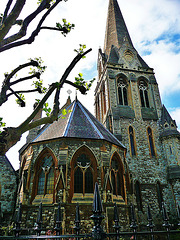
point(130, 147)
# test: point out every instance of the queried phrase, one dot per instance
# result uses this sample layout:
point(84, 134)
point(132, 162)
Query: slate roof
point(166, 118)
point(78, 123)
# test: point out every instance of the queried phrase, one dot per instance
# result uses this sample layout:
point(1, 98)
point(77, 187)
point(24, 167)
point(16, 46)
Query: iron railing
point(97, 231)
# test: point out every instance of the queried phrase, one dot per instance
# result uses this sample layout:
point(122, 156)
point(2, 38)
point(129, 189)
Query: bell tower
point(128, 103)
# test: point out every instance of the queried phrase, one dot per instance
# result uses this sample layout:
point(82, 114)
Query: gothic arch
point(83, 170)
point(143, 87)
point(117, 175)
point(44, 174)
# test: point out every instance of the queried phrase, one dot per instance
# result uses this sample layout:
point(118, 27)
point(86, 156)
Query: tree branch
point(6, 83)
point(37, 75)
point(9, 21)
point(82, 89)
point(21, 91)
point(24, 126)
point(10, 42)
point(6, 11)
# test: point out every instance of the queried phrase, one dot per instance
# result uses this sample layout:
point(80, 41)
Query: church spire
point(116, 30)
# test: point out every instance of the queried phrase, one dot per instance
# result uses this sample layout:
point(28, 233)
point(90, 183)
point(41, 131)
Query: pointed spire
point(116, 30)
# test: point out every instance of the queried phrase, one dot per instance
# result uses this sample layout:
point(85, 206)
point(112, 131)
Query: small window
point(122, 91)
point(132, 141)
point(159, 194)
point(143, 90)
point(151, 142)
point(138, 196)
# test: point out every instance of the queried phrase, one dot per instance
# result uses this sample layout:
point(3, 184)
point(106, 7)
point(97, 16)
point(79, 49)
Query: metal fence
point(97, 231)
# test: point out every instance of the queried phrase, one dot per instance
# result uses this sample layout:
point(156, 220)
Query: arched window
point(132, 141)
point(159, 194)
point(122, 91)
point(83, 173)
point(116, 175)
point(138, 195)
point(151, 142)
point(44, 177)
point(83, 177)
point(143, 90)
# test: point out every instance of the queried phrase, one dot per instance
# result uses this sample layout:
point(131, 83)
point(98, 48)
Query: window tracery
point(122, 91)
point(44, 176)
point(83, 172)
point(143, 90)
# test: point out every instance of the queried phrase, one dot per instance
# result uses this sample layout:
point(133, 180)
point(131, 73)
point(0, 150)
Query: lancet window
point(132, 141)
point(143, 90)
point(138, 195)
point(159, 194)
point(151, 142)
point(122, 91)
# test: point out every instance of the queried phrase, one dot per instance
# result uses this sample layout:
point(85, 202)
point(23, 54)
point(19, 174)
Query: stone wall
point(8, 188)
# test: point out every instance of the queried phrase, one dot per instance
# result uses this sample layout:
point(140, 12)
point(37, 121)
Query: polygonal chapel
point(130, 148)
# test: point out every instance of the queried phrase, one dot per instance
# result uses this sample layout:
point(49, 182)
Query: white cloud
point(146, 21)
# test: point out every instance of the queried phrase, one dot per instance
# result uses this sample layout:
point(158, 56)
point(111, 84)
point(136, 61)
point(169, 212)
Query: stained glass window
point(50, 182)
point(46, 176)
point(41, 182)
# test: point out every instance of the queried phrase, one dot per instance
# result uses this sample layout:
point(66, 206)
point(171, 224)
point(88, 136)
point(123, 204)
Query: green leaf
point(64, 112)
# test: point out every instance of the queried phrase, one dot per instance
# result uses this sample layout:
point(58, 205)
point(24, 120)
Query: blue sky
point(154, 27)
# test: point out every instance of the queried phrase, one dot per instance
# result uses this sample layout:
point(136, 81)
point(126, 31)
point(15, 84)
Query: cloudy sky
point(154, 27)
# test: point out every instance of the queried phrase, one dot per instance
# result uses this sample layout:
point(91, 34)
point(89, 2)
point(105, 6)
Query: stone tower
point(128, 103)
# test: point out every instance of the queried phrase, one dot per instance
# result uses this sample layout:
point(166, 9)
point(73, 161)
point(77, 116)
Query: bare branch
point(31, 63)
point(37, 75)
point(24, 126)
point(6, 10)
point(21, 91)
point(10, 20)
point(10, 42)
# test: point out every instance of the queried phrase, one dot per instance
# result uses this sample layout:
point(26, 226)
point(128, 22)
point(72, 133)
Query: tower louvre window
point(143, 90)
point(132, 141)
point(151, 142)
point(122, 91)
